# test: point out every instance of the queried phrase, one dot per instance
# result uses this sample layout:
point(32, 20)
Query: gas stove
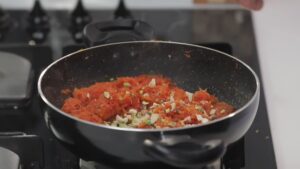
point(35, 38)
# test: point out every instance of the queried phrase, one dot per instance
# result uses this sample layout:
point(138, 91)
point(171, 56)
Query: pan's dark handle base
point(118, 30)
point(185, 152)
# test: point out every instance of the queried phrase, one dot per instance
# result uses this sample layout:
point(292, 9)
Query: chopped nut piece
point(146, 95)
point(212, 111)
point(132, 111)
point(152, 83)
point(88, 95)
point(172, 124)
point(199, 108)
point(189, 95)
point(172, 96)
point(187, 119)
point(145, 103)
point(173, 106)
point(141, 91)
point(106, 95)
point(126, 84)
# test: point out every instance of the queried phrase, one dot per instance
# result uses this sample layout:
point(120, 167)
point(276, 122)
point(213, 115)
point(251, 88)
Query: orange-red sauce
point(144, 102)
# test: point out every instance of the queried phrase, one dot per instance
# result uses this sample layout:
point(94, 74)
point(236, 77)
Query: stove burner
point(29, 148)
point(9, 159)
point(16, 80)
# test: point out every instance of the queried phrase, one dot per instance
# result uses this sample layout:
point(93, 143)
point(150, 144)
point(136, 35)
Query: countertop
point(277, 29)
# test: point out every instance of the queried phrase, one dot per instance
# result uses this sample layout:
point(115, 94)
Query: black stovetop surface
point(39, 149)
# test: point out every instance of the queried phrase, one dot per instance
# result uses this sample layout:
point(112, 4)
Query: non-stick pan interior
point(189, 66)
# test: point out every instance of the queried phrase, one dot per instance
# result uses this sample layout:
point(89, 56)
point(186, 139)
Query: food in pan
point(144, 101)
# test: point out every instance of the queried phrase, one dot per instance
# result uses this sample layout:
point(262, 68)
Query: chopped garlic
point(222, 111)
point(189, 95)
point(212, 111)
point(167, 110)
point(126, 84)
point(152, 83)
point(106, 95)
point(154, 118)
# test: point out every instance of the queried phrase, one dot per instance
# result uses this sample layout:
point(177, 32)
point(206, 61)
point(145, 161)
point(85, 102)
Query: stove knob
point(38, 23)
point(122, 11)
point(79, 18)
point(5, 23)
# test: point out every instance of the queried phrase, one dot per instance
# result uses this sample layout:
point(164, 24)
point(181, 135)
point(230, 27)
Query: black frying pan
point(189, 66)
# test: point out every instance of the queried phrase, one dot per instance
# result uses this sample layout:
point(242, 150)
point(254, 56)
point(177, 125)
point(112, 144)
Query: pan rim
point(238, 111)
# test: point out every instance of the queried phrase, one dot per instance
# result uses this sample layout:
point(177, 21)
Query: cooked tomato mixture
point(144, 102)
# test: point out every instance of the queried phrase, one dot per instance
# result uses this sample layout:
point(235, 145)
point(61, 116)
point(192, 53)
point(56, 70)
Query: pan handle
point(185, 151)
